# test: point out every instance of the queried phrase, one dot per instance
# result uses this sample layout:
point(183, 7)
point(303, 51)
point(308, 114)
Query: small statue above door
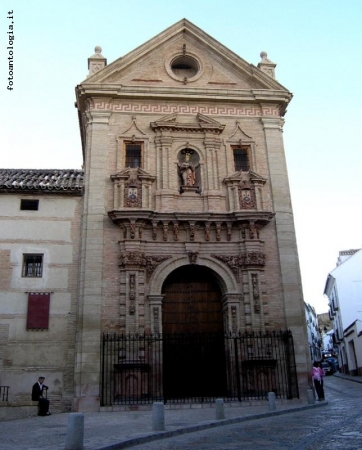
point(188, 166)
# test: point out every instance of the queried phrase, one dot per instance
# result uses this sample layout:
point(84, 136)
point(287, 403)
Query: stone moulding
point(139, 260)
point(200, 226)
point(201, 124)
point(242, 261)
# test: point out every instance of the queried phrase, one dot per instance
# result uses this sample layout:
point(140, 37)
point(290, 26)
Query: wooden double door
point(193, 335)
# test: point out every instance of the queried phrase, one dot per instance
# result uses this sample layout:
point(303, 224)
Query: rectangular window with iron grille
point(241, 158)
point(32, 265)
point(133, 154)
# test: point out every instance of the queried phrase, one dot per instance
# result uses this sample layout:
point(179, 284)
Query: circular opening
point(184, 66)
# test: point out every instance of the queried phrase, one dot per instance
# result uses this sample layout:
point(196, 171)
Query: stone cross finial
point(96, 62)
point(267, 66)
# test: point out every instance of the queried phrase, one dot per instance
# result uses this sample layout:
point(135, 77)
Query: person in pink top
point(317, 377)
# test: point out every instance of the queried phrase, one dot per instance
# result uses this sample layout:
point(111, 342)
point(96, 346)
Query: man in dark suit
point(37, 395)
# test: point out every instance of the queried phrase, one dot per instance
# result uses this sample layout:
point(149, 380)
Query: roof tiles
point(48, 180)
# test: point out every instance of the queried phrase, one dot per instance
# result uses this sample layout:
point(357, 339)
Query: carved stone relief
point(207, 232)
point(132, 294)
point(242, 188)
point(256, 296)
point(156, 320)
point(175, 231)
point(141, 261)
point(165, 231)
point(236, 262)
point(233, 319)
point(133, 193)
point(193, 257)
point(247, 195)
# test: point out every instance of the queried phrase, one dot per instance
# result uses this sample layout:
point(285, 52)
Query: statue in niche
point(188, 163)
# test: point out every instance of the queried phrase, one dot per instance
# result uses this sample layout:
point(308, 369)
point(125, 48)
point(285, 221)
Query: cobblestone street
point(336, 426)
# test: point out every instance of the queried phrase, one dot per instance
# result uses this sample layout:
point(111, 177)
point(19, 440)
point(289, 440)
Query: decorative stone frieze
point(234, 325)
point(256, 296)
point(156, 319)
point(244, 261)
point(132, 294)
point(138, 260)
point(155, 302)
point(150, 226)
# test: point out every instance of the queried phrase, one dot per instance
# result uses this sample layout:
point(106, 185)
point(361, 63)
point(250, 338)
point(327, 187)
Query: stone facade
point(184, 166)
point(187, 103)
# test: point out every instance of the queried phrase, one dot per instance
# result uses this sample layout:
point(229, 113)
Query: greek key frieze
point(184, 109)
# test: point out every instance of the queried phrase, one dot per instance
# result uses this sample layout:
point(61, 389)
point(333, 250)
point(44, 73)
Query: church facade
point(185, 222)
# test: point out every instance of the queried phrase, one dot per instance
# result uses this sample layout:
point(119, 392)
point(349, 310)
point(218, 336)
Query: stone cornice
point(116, 91)
point(258, 217)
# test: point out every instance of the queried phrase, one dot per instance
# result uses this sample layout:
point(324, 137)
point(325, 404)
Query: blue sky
point(315, 44)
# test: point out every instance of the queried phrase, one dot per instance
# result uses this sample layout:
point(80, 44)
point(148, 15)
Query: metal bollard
point(75, 432)
point(220, 413)
point(271, 400)
point(158, 416)
point(310, 395)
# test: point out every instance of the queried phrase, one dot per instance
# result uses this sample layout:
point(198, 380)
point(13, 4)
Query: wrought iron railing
point(198, 367)
point(4, 393)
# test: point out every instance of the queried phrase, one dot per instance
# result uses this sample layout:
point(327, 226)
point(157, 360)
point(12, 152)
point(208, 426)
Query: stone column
point(87, 368)
point(287, 247)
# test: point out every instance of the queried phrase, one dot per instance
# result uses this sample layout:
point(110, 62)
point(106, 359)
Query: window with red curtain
point(38, 311)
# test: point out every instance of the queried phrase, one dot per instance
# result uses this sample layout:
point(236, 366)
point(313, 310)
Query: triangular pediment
point(249, 176)
point(185, 122)
point(133, 128)
point(239, 134)
point(161, 62)
point(130, 172)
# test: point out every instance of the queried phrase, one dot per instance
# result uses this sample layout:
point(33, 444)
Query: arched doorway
point(192, 325)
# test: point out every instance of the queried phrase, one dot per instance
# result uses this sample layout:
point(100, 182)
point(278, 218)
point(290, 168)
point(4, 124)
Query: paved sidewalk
point(356, 379)
point(116, 430)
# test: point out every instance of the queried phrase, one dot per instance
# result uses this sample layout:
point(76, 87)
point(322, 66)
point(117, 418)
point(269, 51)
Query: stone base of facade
point(86, 404)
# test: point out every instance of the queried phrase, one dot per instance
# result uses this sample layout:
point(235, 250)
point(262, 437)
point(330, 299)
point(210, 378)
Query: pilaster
point(87, 372)
point(286, 239)
point(155, 302)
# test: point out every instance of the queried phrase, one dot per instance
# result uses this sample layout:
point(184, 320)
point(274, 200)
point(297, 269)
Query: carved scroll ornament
point(140, 261)
point(243, 260)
